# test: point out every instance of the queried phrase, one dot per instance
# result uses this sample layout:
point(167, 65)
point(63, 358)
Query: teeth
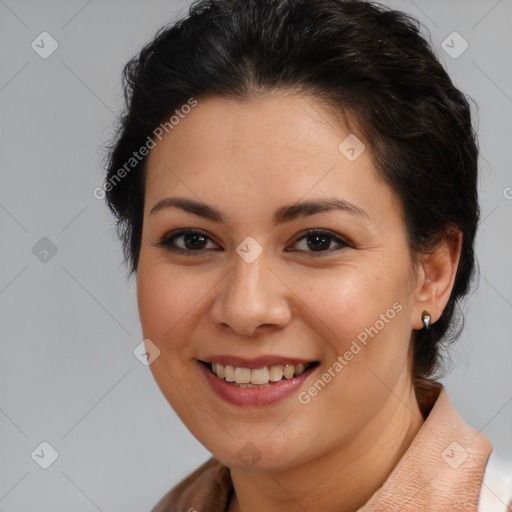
point(288, 371)
point(300, 369)
point(257, 376)
point(218, 369)
point(276, 373)
point(242, 375)
point(229, 373)
point(260, 376)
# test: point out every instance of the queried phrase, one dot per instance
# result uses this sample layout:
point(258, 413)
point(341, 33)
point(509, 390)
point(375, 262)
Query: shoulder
point(206, 489)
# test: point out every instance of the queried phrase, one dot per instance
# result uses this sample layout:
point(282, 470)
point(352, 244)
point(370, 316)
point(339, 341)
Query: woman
point(295, 185)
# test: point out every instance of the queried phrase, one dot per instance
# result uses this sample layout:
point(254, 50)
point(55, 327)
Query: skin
point(247, 159)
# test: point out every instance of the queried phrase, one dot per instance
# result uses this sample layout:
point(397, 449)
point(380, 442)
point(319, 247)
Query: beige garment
point(441, 471)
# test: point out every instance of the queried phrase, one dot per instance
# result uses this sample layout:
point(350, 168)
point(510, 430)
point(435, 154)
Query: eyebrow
point(284, 214)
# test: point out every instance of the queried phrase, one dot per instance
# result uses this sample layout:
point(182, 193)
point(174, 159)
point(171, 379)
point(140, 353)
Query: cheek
point(167, 299)
point(353, 303)
point(368, 338)
point(365, 311)
point(157, 315)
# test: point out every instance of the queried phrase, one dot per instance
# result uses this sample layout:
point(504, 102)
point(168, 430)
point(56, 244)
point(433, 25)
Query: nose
point(251, 298)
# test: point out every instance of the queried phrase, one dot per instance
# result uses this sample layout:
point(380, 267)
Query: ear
point(436, 275)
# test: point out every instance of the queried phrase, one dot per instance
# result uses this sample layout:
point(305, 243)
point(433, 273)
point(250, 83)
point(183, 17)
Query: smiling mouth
point(257, 377)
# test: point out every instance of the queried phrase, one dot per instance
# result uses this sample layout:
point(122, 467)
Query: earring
point(425, 318)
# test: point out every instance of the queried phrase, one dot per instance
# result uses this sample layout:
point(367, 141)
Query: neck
point(342, 480)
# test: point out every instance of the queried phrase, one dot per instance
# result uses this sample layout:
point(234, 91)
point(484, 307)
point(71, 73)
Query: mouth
point(261, 377)
point(256, 382)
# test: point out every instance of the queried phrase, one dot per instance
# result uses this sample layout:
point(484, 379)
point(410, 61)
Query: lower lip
point(267, 395)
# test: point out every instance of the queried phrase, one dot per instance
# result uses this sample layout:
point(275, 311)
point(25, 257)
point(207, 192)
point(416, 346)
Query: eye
point(194, 241)
point(319, 241)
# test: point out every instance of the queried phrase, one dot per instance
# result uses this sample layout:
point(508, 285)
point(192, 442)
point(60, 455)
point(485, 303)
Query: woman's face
point(249, 289)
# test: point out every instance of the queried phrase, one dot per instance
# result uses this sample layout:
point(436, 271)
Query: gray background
point(69, 325)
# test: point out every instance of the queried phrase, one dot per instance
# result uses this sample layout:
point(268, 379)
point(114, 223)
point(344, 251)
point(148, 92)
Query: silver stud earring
point(425, 318)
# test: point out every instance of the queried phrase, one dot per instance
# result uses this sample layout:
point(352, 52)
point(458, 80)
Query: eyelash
point(167, 241)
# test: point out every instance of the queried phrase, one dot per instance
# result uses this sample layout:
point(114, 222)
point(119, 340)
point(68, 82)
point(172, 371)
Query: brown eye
point(185, 241)
point(190, 241)
point(194, 241)
point(320, 241)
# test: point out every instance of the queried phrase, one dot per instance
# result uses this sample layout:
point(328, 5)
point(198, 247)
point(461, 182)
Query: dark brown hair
point(363, 59)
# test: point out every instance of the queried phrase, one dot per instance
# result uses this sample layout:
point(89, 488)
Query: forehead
point(268, 126)
point(269, 149)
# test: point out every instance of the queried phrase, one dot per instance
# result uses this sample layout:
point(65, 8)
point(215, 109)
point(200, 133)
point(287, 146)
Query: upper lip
point(256, 362)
